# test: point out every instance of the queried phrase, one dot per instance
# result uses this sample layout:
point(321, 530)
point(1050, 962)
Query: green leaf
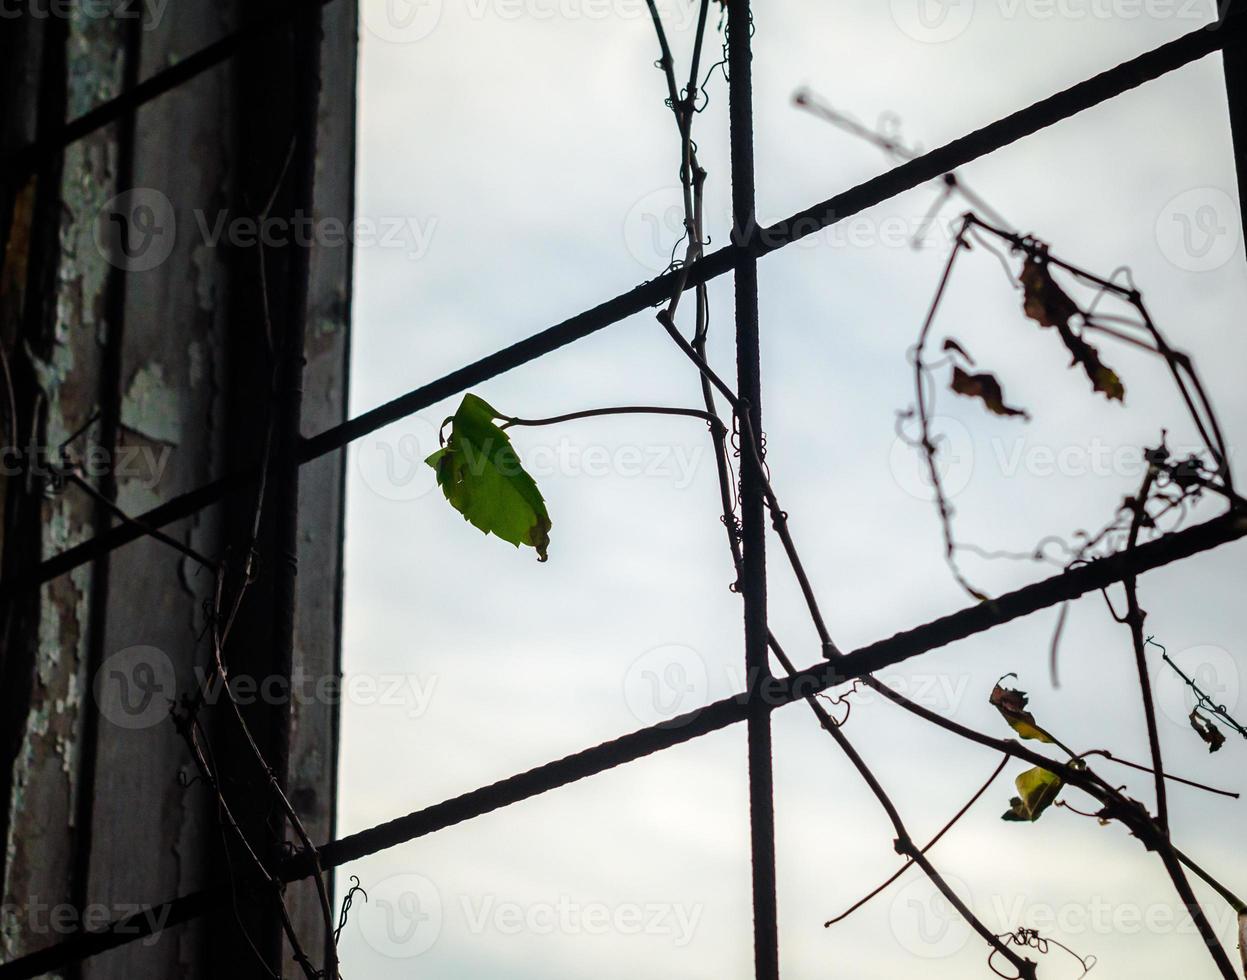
point(481, 475)
point(1012, 706)
point(1037, 789)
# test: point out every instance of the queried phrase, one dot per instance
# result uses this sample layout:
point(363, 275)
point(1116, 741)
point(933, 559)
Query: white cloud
point(529, 141)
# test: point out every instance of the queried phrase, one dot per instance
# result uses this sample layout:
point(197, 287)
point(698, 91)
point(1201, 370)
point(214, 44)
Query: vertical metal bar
point(28, 314)
point(753, 518)
point(283, 475)
point(287, 434)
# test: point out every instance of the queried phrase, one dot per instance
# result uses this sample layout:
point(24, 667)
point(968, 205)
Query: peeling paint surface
point(152, 407)
point(41, 808)
point(175, 396)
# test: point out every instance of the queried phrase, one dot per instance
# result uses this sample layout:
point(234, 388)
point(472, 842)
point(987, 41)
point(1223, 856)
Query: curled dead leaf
point(985, 387)
point(952, 345)
point(1045, 302)
point(1043, 299)
point(1206, 730)
point(1103, 378)
point(1011, 704)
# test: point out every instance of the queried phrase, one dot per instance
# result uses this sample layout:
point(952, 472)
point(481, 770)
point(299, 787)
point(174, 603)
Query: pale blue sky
point(525, 147)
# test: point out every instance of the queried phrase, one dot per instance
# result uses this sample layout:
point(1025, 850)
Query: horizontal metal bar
point(774, 691)
point(782, 690)
point(1095, 90)
point(19, 164)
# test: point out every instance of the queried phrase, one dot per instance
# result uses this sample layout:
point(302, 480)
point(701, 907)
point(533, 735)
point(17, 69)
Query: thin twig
point(1203, 700)
point(154, 533)
point(904, 843)
point(696, 413)
point(1134, 617)
point(926, 443)
point(1116, 806)
point(1170, 776)
point(1004, 760)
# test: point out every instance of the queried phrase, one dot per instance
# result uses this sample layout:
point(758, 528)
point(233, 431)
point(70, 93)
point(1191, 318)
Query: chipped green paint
point(41, 807)
point(205, 262)
point(152, 407)
point(196, 359)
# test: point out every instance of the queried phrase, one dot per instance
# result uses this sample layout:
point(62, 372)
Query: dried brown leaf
point(1206, 730)
point(1044, 300)
point(1049, 305)
point(952, 345)
point(984, 386)
point(1011, 704)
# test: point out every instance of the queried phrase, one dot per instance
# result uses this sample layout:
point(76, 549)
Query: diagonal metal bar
point(1234, 61)
point(779, 691)
point(1011, 128)
point(929, 166)
point(21, 163)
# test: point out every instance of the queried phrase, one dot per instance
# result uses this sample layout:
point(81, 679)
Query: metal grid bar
point(1234, 61)
point(752, 503)
point(22, 163)
point(1124, 77)
point(764, 692)
point(960, 625)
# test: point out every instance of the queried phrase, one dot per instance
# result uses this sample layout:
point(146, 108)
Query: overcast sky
point(524, 148)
